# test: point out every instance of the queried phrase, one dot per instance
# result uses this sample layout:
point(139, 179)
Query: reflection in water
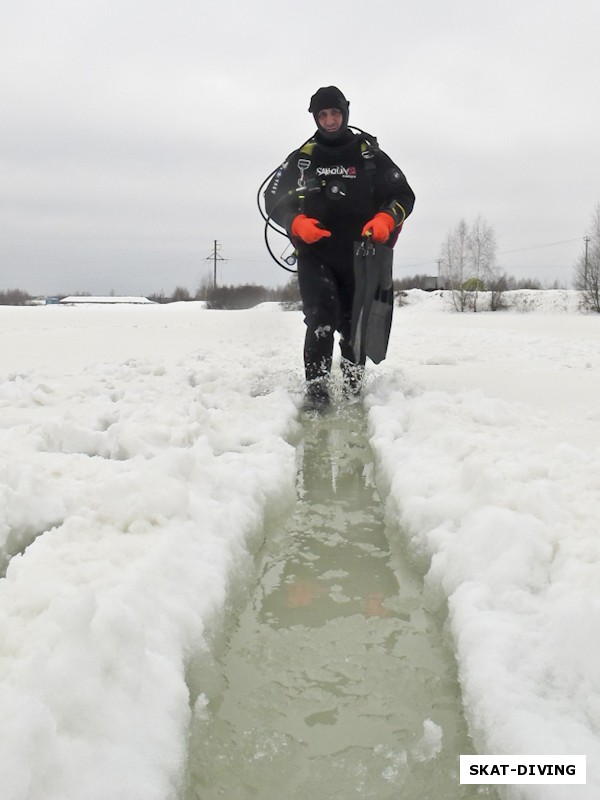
point(337, 683)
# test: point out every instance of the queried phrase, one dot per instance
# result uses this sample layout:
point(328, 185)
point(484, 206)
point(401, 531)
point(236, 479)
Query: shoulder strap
point(368, 146)
point(368, 149)
point(308, 147)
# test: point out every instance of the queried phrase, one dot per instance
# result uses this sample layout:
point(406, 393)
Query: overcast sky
point(134, 133)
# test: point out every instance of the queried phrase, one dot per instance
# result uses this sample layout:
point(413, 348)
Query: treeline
point(234, 297)
point(507, 283)
point(15, 297)
point(250, 295)
point(218, 297)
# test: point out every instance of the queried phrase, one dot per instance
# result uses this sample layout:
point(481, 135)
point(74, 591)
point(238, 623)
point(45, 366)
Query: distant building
point(77, 300)
point(431, 283)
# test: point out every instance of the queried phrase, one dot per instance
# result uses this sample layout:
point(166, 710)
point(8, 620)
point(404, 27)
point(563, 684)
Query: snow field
point(142, 447)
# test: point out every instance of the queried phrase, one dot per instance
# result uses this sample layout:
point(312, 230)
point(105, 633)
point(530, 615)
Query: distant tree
point(288, 294)
point(454, 263)
point(587, 268)
point(204, 287)
point(181, 294)
point(524, 283)
point(236, 297)
point(481, 247)
point(159, 297)
point(497, 286)
point(556, 284)
point(468, 262)
point(248, 295)
point(14, 297)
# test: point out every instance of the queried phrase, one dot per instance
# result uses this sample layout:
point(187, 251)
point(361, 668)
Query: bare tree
point(454, 263)
point(204, 287)
point(587, 268)
point(468, 262)
point(14, 297)
point(181, 294)
point(497, 286)
point(481, 246)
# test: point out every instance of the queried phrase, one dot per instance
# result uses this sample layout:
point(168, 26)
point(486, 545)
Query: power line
point(538, 246)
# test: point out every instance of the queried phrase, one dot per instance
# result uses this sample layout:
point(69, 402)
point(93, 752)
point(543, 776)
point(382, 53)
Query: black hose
point(270, 224)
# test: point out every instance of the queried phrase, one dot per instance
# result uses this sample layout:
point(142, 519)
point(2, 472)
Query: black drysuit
point(342, 184)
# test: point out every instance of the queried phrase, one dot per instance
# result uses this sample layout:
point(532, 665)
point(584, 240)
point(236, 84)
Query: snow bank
point(499, 501)
point(548, 301)
point(131, 495)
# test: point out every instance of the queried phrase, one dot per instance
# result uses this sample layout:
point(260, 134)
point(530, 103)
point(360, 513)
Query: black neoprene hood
point(330, 97)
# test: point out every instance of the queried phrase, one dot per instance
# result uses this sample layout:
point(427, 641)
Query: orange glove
point(308, 229)
point(380, 227)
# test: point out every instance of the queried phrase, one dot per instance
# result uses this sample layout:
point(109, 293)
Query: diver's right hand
point(308, 229)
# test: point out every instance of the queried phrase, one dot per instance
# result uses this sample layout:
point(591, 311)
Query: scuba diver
point(333, 191)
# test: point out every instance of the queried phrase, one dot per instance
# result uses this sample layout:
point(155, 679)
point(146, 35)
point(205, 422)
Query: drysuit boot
point(352, 378)
point(317, 395)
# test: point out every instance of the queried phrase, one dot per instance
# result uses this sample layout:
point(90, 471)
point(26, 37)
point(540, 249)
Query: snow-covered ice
point(141, 448)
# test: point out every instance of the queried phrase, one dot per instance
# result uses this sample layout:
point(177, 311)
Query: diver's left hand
point(380, 227)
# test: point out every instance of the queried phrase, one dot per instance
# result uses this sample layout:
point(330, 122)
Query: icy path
point(336, 681)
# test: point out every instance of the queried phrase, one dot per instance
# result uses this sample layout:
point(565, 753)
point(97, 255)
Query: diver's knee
point(320, 321)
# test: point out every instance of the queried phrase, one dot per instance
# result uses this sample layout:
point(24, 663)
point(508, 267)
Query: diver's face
point(330, 119)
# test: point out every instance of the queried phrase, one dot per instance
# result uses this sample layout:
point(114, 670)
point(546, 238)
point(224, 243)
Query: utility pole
point(214, 257)
point(586, 239)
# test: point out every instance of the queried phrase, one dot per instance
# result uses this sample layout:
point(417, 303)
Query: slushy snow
point(142, 448)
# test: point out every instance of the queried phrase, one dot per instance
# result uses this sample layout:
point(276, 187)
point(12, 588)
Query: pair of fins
point(373, 304)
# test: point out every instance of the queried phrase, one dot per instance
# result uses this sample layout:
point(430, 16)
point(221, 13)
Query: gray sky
point(136, 132)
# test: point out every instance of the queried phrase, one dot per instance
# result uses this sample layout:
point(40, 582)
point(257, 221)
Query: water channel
point(336, 682)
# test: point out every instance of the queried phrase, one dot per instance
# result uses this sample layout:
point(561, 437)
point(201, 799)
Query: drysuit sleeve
point(392, 191)
point(282, 201)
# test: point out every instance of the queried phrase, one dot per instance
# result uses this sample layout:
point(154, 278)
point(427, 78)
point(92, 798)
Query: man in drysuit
point(329, 193)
